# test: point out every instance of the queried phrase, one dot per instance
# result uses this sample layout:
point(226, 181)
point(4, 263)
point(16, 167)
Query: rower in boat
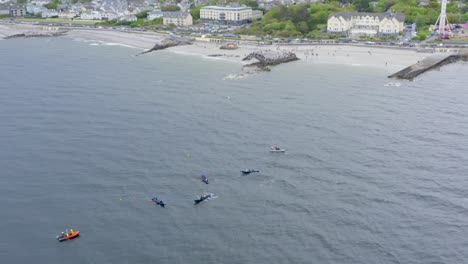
point(68, 234)
point(248, 171)
point(204, 179)
point(203, 198)
point(158, 201)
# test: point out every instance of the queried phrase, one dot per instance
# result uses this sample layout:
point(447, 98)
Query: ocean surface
point(88, 133)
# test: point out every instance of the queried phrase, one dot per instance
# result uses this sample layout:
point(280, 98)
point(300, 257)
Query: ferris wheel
point(444, 27)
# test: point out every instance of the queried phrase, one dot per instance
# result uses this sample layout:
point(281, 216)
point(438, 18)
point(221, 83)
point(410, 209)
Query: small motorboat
point(249, 171)
point(277, 149)
point(203, 198)
point(158, 201)
point(67, 235)
point(392, 84)
point(204, 179)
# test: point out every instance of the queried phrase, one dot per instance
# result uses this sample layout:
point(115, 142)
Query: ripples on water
point(372, 174)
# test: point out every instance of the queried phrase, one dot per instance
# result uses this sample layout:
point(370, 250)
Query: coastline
point(370, 56)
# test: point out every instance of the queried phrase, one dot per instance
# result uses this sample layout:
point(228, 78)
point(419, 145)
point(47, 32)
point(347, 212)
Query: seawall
point(433, 62)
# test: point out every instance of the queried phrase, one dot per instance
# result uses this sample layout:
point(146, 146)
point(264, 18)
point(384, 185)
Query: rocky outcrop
point(270, 58)
point(430, 63)
point(38, 34)
point(168, 42)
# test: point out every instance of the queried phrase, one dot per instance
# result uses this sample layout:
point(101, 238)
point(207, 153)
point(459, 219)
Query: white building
point(154, 14)
point(17, 11)
point(226, 14)
point(91, 15)
point(4, 10)
point(368, 24)
point(49, 13)
point(34, 9)
point(39, 2)
point(184, 5)
point(67, 14)
point(129, 18)
point(257, 14)
point(109, 16)
point(177, 18)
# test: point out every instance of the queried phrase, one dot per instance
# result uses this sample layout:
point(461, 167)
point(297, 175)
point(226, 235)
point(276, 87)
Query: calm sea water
point(88, 134)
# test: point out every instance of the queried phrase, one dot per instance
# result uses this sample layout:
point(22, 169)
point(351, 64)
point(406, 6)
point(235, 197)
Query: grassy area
point(56, 21)
point(457, 40)
point(141, 22)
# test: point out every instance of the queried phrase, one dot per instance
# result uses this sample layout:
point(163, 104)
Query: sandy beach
point(391, 58)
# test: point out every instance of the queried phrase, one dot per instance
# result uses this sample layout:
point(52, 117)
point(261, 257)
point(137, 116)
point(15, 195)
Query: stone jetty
point(433, 62)
point(171, 41)
point(270, 58)
point(32, 34)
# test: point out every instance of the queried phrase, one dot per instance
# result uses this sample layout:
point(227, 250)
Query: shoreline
point(390, 58)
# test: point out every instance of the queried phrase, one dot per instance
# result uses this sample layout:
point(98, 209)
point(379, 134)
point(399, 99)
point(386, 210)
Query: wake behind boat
point(203, 198)
point(392, 84)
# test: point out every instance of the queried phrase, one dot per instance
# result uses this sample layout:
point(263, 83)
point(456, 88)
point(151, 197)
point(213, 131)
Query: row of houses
point(367, 24)
point(175, 18)
point(226, 15)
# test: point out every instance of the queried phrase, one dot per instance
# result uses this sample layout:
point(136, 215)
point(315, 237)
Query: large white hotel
point(226, 14)
point(370, 24)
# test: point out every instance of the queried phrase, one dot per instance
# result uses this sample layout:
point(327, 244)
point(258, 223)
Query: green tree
point(464, 17)
point(362, 5)
point(142, 14)
point(251, 3)
point(303, 27)
point(170, 8)
point(433, 4)
point(422, 36)
point(53, 4)
point(420, 21)
point(195, 12)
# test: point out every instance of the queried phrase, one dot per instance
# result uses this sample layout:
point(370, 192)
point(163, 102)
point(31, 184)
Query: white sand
point(8, 30)
point(317, 54)
point(142, 41)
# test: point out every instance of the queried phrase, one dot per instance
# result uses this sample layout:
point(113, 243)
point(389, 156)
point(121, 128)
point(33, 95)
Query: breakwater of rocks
point(34, 34)
point(168, 42)
point(430, 63)
point(270, 58)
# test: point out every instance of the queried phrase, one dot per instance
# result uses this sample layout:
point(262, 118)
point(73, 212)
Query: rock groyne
point(270, 58)
point(37, 34)
point(430, 63)
point(168, 42)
